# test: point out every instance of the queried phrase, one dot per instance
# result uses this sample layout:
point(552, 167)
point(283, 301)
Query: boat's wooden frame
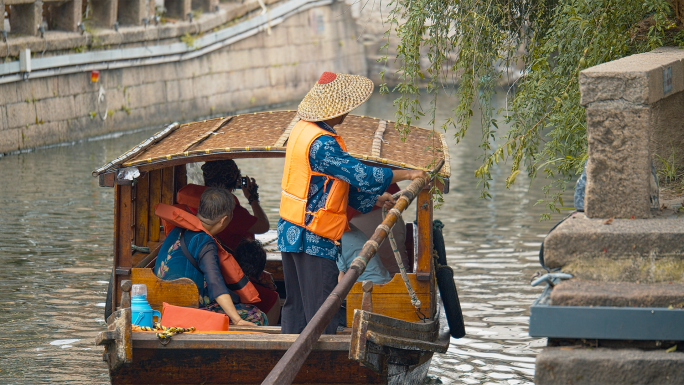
point(390, 340)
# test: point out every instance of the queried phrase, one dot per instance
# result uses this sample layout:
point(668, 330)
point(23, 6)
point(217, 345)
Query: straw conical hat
point(334, 95)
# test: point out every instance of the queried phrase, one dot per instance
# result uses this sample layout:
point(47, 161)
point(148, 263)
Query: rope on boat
point(402, 269)
point(165, 333)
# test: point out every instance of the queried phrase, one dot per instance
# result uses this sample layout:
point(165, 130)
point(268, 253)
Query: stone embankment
point(173, 72)
point(624, 251)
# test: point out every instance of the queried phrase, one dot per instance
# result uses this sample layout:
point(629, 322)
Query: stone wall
point(635, 110)
point(262, 70)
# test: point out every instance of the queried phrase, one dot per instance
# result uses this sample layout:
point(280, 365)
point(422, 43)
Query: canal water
point(56, 229)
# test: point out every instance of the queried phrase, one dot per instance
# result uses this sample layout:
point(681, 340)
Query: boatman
point(319, 180)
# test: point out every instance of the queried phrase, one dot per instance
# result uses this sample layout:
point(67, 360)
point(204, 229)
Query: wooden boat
point(387, 343)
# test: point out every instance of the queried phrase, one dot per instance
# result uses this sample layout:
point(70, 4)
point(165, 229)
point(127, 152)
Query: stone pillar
point(132, 12)
point(67, 15)
point(25, 18)
point(205, 5)
point(104, 12)
point(178, 9)
point(635, 109)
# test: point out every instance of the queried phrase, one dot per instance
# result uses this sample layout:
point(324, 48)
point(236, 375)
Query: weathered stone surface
point(25, 18)
point(43, 134)
point(556, 366)
point(104, 12)
point(132, 12)
point(577, 292)
point(3, 118)
point(67, 15)
point(583, 238)
point(55, 109)
point(74, 84)
point(37, 89)
point(20, 114)
point(667, 130)
point(178, 9)
point(205, 5)
point(146, 94)
point(637, 78)
point(10, 139)
point(619, 167)
point(8, 93)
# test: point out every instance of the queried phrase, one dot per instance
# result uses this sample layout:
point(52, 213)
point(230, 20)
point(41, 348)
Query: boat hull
point(247, 359)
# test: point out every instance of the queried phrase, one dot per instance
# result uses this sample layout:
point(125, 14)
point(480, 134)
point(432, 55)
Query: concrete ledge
point(637, 79)
point(56, 42)
point(556, 366)
point(580, 237)
point(587, 293)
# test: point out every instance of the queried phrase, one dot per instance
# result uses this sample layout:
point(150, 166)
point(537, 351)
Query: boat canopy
point(265, 134)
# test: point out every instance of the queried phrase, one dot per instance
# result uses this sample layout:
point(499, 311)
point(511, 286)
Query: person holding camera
point(226, 174)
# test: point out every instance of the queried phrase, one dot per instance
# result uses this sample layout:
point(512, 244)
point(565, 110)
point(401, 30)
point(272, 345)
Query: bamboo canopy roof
point(265, 134)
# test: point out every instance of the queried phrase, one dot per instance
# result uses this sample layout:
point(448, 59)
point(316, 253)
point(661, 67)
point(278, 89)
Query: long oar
point(287, 368)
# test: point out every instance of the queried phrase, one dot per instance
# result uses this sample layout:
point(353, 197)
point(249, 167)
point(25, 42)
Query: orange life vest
point(235, 279)
point(330, 221)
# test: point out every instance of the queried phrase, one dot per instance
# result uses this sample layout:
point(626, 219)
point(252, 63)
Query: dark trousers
point(308, 282)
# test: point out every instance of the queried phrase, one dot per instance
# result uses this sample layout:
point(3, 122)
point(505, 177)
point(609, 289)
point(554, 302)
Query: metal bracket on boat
point(117, 338)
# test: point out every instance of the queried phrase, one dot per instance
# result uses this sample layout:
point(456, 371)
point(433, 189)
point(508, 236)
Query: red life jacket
point(236, 280)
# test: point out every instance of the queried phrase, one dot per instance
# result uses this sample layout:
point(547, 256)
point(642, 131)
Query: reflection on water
point(56, 245)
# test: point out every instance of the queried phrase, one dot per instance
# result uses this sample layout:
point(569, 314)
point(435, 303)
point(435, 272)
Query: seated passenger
point(352, 243)
point(226, 174)
point(368, 222)
point(251, 257)
point(195, 255)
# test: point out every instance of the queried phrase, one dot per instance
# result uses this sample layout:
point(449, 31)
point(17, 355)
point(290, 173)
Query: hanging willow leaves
point(476, 43)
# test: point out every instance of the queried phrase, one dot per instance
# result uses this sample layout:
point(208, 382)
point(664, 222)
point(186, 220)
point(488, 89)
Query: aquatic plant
point(477, 43)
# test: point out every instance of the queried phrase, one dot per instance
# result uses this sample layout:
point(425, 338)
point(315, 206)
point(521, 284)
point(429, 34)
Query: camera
point(244, 181)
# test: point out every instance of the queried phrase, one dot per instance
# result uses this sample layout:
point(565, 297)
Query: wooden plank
point(424, 262)
point(243, 342)
point(391, 299)
point(155, 197)
point(179, 292)
point(180, 178)
point(166, 365)
point(167, 189)
point(107, 180)
point(142, 209)
point(424, 222)
point(123, 235)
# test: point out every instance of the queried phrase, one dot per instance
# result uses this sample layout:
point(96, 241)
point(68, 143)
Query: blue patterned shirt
point(366, 183)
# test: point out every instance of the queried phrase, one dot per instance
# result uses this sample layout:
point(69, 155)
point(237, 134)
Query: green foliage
point(190, 41)
point(669, 169)
point(478, 42)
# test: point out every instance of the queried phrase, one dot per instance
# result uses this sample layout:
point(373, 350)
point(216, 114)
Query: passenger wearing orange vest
point(190, 251)
point(319, 180)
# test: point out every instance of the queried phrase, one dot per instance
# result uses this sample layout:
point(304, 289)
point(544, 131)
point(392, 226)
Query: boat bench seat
point(179, 292)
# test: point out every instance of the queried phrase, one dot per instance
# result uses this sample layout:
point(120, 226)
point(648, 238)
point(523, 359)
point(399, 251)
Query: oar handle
point(287, 368)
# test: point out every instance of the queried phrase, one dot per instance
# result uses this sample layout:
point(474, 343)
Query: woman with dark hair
point(251, 257)
point(226, 174)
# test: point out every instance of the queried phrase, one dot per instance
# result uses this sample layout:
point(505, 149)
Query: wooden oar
point(287, 368)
